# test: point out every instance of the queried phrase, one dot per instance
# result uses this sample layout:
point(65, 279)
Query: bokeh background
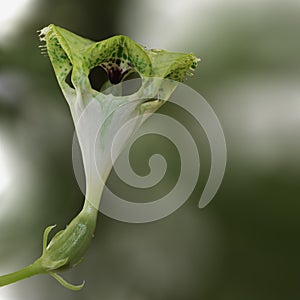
point(245, 244)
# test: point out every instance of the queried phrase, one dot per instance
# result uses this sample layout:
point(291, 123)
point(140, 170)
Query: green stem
point(26, 272)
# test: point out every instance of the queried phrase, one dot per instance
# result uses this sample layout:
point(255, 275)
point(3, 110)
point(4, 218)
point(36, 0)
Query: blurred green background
point(244, 244)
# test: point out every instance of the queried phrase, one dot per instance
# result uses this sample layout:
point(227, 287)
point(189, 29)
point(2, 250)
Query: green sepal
point(66, 284)
point(45, 236)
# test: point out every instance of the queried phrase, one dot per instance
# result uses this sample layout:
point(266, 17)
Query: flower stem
point(65, 250)
point(26, 272)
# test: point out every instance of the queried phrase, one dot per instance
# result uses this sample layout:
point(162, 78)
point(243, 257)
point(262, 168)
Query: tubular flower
point(97, 117)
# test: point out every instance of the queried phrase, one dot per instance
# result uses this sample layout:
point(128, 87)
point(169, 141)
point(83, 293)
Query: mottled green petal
point(172, 65)
point(118, 55)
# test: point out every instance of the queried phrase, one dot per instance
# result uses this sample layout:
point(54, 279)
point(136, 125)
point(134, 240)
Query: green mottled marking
point(118, 55)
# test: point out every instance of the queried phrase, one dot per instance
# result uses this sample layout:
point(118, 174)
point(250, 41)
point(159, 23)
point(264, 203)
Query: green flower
point(100, 114)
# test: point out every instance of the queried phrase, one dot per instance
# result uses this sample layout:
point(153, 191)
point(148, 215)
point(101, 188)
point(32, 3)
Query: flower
point(97, 117)
point(102, 113)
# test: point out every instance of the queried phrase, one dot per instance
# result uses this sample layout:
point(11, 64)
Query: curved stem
point(26, 272)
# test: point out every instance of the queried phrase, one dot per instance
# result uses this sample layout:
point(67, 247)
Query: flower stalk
point(97, 117)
